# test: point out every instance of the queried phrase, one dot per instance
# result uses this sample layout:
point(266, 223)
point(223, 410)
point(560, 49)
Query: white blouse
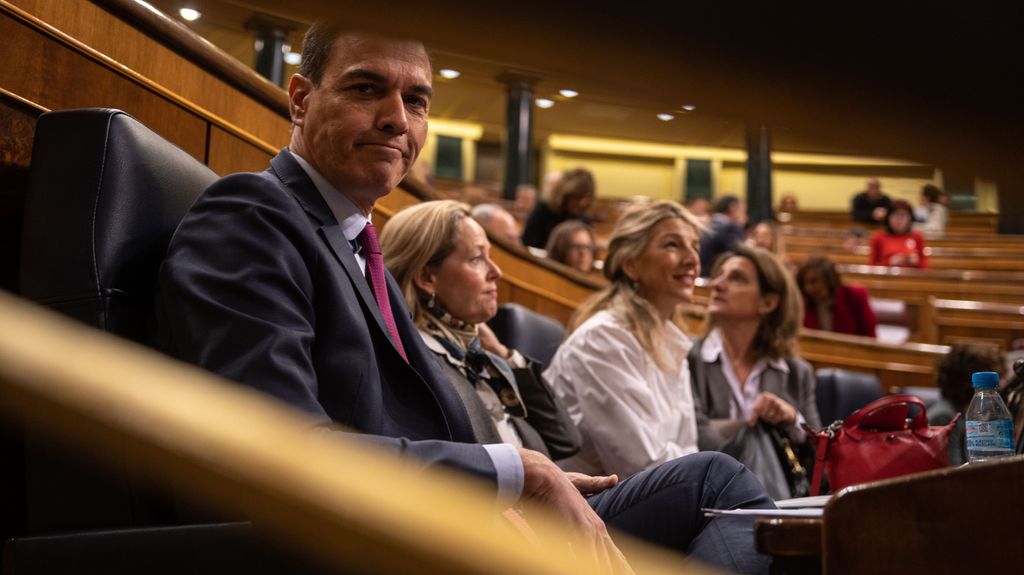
point(631, 414)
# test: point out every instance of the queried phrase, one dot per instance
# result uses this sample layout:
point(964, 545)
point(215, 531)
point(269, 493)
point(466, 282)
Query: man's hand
point(550, 487)
point(772, 409)
point(878, 214)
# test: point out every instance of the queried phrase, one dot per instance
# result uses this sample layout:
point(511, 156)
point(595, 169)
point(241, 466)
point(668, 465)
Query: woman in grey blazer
point(745, 371)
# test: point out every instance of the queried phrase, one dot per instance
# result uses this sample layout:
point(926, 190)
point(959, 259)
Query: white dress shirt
point(745, 394)
point(507, 463)
point(632, 414)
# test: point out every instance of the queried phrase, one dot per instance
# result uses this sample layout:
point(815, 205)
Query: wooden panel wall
point(57, 54)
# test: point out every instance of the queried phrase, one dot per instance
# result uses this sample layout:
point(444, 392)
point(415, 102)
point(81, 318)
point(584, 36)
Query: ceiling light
point(189, 14)
point(293, 58)
point(569, 93)
point(666, 117)
point(449, 74)
point(544, 103)
point(689, 107)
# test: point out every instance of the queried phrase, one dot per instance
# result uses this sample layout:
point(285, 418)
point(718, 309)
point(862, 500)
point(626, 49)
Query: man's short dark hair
point(316, 50)
point(955, 369)
point(725, 203)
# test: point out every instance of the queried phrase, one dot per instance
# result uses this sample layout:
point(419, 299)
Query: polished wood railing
point(239, 451)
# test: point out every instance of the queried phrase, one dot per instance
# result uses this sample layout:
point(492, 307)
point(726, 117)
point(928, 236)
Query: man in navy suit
point(266, 283)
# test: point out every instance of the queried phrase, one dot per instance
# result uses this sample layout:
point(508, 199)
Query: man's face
point(363, 127)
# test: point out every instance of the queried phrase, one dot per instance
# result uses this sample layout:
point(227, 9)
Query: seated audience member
point(871, 205)
point(572, 243)
point(622, 371)
point(897, 245)
point(766, 235)
point(788, 204)
point(829, 304)
point(954, 379)
point(565, 198)
point(497, 221)
point(726, 230)
point(745, 370)
point(432, 250)
point(932, 214)
point(700, 208)
point(275, 280)
point(526, 200)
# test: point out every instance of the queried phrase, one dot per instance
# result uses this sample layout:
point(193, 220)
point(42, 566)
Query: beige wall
point(623, 177)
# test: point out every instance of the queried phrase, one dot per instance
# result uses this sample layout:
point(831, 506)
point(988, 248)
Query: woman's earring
point(432, 302)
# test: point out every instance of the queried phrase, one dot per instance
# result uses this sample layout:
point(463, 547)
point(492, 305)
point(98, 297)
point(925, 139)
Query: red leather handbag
point(880, 441)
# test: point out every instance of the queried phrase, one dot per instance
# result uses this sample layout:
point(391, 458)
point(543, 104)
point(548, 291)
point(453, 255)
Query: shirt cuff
point(516, 359)
point(509, 468)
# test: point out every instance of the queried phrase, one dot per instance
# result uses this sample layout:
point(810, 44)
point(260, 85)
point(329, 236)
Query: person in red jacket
point(830, 305)
point(898, 245)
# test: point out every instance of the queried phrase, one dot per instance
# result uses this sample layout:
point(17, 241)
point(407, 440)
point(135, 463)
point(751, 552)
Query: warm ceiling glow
point(569, 93)
point(189, 14)
point(449, 74)
point(666, 117)
point(544, 102)
point(689, 107)
point(293, 58)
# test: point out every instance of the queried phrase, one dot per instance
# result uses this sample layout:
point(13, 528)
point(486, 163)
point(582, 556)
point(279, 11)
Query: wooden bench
point(947, 321)
point(921, 523)
point(822, 219)
point(979, 259)
point(825, 237)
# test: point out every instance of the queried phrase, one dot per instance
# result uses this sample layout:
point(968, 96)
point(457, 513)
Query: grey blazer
point(712, 397)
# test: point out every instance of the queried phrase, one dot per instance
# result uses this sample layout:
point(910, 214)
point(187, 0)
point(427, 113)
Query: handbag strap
point(887, 413)
point(825, 437)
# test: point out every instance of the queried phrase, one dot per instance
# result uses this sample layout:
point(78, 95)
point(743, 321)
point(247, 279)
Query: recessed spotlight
point(293, 58)
point(688, 107)
point(666, 117)
point(189, 14)
point(544, 103)
point(569, 93)
point(449, 74)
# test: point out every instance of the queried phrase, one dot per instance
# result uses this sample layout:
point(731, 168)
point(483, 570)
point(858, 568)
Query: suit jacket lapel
point(298, 182)
point(721, 394)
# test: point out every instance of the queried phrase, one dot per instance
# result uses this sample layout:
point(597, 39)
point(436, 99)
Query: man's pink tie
point(375, 274)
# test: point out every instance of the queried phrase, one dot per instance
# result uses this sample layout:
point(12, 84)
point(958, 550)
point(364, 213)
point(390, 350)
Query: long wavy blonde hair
point(631, 235)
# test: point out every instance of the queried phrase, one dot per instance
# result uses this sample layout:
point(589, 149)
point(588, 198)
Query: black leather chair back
point(839, 392)
point(533, 334)
point(105, 196)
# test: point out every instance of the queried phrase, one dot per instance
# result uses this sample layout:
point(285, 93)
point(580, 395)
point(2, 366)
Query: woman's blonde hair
point(777, 331)
point(631, 235)
point(420, 236)
point(573, 183)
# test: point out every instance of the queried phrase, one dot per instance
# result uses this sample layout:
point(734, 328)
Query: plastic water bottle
point(989, 426)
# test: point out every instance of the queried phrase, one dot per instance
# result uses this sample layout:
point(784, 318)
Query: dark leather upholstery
point(839, 392)
point(533, 334)
point(105, 196)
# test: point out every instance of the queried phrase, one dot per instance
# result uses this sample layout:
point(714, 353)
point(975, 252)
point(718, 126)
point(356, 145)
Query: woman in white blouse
point(746, 369)
point(622, 372)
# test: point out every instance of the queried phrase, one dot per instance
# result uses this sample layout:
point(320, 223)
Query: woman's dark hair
point(932, 192)
point(896, 206)
point(825, 268)
point(956, 367)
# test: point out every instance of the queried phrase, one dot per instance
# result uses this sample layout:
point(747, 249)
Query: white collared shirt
point(744, 394)
point(350, 218)
point(632, 415)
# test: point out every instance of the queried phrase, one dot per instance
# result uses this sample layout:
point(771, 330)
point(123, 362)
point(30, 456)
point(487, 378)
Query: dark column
point(271, 37)
point(759, 172)
point(519, 129)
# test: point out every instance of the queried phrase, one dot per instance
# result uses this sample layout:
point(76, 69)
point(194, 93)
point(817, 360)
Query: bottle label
point(997, 434)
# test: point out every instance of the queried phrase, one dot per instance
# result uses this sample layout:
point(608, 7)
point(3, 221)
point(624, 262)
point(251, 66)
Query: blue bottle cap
point(985, 380)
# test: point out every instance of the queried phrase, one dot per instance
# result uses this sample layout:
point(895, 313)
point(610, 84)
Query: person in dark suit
point(725, 231)
point(275, 280)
